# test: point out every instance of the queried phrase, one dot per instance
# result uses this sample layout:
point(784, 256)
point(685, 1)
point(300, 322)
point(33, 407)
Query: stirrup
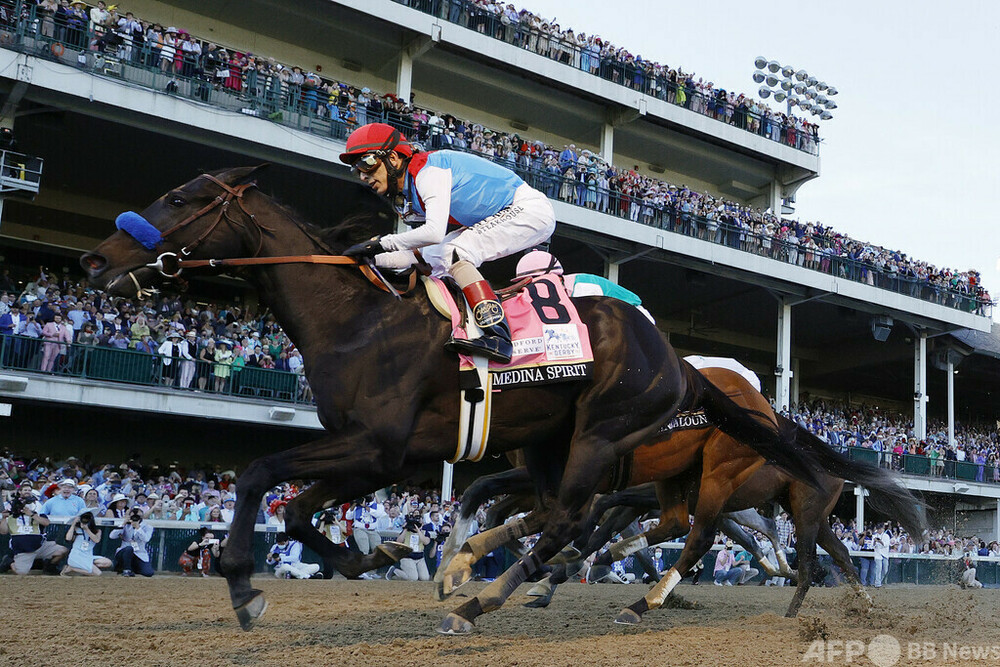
point(493, 348)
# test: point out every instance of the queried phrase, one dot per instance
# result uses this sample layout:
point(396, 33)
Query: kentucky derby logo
point(562, 341)
point(488, 313)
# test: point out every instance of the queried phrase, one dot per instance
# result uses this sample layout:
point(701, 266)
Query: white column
point(920, 386)
point(608, 143)
point(446, 478)
point(996, 535)
point(794, 396)
point(859, 508)
point(951, 402)
point(783, 372)
point(775, 197)
point(404, 76)
point(611, 271)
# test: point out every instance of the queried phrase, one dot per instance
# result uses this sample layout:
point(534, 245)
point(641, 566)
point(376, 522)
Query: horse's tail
point(887, 495)
point(776, 442)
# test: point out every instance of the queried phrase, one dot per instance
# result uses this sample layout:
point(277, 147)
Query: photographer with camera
point(412, 566)
point(84, 534)
point(199, 553)
point(286, 557)
point(23, 523)
point(132, 556)
point(331, 523)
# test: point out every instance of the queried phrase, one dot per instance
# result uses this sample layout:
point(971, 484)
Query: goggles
point(368, 162)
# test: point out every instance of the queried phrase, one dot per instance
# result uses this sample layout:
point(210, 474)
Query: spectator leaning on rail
point(502, 213)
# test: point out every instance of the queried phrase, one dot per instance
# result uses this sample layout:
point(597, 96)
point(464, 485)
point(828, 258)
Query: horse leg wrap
point(783, 563)
point(493, 596)
point(627, 547)
point(658, 593)
point(483, 543)
point(768, 567)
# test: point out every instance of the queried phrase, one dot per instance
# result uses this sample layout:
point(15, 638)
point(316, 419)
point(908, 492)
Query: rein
point(171, 264)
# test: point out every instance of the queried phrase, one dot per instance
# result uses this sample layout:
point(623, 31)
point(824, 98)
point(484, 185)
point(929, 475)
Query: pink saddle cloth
point(551, 343)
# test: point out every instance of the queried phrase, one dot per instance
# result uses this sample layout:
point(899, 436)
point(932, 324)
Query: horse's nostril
point(93, 263)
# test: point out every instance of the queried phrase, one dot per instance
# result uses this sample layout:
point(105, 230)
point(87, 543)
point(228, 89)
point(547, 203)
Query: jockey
point(496, 213)
point(538, 262)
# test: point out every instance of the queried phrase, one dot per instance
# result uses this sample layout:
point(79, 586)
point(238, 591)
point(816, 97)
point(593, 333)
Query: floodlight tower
point(794, 87)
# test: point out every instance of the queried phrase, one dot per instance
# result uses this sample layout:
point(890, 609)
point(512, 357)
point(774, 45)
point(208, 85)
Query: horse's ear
point(244, 175)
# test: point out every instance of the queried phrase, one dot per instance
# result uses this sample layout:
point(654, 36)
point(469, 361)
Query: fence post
point(159, 555)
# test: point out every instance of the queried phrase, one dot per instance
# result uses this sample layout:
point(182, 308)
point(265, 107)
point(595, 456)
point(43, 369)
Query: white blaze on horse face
point(658, 593)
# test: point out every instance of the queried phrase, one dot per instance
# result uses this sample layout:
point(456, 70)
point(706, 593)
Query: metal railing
point(925, 466)
point(631, 73)
point(110, 364)
point(307, 109)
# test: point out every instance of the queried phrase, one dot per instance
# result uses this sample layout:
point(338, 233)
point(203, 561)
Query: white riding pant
point(527, 222)
point(297, 570)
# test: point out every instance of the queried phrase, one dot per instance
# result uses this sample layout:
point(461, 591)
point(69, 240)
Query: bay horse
point(379, 374)
point(708, 474)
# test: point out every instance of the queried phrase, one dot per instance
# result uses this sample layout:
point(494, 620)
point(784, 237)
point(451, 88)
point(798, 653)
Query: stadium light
point(810, 94)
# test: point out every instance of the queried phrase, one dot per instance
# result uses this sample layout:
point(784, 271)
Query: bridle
point(171, 264)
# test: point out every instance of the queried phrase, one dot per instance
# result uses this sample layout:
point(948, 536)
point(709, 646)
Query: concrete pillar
point(446, 481)
point(783, 370)
point(404, 76)
point(774, 197)
point(951, 402)
point(996, 525)
point(611, 271)
point(794, 395)
point(608, 143)
point(859, 508)
point(920, 386)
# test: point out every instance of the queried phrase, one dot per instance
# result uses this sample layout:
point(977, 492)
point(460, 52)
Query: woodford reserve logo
point(686, 420)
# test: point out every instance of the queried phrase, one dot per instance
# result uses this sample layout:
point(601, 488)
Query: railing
point(911, 464)
point(110, 364)
point(637, 75)
point(306, 109)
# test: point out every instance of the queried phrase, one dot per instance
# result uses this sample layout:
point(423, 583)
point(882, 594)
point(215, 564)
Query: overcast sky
point(910, 159)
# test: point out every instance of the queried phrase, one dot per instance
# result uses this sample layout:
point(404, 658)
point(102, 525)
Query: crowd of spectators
point(205, 496)
point(891, 436)
point(600, 57)
point(580, 177)
point(192, 346)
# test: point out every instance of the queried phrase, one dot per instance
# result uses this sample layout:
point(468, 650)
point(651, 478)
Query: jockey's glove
point(369, 248)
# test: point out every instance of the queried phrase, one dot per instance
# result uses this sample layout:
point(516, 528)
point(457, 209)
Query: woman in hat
point(76, 24)
point(223, 361)
point(168, 49)
point(206, 363)
point(117, 507)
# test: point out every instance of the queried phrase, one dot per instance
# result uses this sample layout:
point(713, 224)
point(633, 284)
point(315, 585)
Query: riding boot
point(488, 314)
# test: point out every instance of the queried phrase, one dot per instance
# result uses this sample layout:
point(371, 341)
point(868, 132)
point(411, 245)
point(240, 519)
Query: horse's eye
point(177, 202)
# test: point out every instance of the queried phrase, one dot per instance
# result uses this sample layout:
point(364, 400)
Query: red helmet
point(375, 138)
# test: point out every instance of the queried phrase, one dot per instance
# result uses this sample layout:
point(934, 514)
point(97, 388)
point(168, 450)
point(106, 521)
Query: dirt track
point(176, 621)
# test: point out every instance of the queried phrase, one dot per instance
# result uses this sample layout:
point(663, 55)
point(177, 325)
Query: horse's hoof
point(453, 624)
point(538, 603)
point(628, 617)
point(252, 611)
point(539, 590)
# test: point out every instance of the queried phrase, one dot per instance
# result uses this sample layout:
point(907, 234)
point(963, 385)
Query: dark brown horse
point(382, 383)
point(708, 474)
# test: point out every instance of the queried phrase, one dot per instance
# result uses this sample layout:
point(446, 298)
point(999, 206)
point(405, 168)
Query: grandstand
point(115, 132)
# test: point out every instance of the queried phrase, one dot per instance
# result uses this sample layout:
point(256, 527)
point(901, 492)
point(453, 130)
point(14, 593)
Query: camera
point(412, 524)
point(18, 505)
